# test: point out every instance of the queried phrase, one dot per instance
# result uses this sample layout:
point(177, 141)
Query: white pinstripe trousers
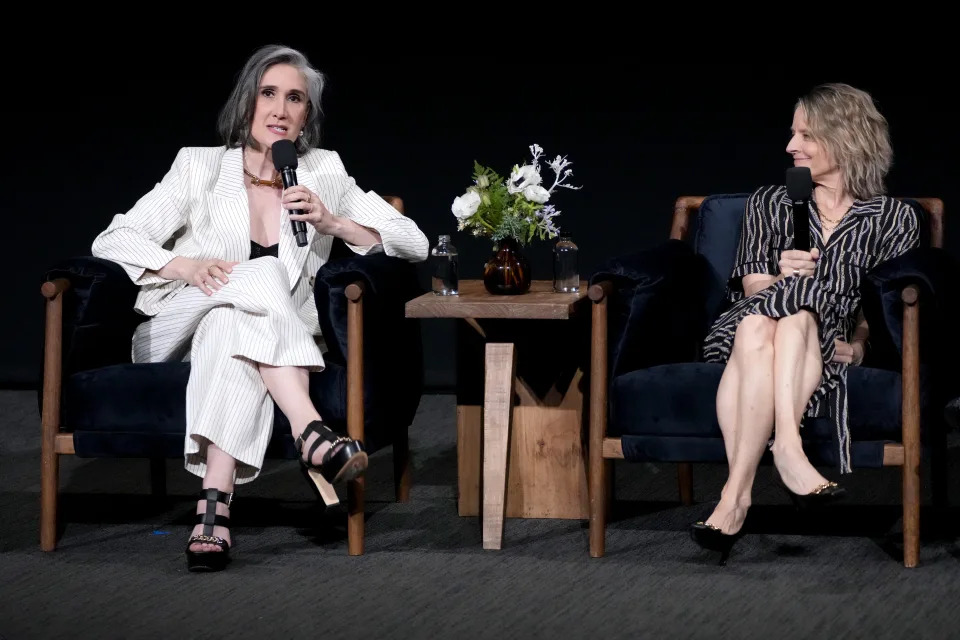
point(250, 320)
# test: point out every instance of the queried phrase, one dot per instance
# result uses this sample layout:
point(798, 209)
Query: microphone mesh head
point(284, 155)
point(799, 183)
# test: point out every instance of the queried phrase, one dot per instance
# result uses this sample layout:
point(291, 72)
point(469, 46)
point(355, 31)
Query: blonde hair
point(846, 122)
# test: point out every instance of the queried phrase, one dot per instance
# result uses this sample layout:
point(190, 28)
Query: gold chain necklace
point(833, 222)
point(824, 218)
point(276, 182)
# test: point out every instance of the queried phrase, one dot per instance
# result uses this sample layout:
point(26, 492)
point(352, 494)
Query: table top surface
point(474, 301)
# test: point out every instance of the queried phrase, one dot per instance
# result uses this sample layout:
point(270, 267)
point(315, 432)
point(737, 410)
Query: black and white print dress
point(873, 231)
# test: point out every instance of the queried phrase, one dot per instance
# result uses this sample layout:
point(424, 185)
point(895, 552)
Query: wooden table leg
point(500, 370)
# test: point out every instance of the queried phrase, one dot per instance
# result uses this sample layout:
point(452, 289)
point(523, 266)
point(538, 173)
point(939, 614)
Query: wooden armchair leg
point(685, 482)
point(599, 483)
point(355, 524)
point(49, 490)
point(911, 516)
point(402, 467)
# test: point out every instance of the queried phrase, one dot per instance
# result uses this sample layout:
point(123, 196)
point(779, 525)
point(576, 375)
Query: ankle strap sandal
point(210, 560)
point(344, 460)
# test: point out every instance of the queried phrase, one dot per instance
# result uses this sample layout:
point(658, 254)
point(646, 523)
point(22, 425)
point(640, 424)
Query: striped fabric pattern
point(265, 314)
point(199, 210)
point(872, 232)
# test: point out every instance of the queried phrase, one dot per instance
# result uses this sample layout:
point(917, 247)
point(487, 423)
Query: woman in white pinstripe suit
point(229, 290)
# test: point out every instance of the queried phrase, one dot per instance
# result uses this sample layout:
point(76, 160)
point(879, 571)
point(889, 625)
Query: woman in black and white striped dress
point(228, 288)
point(795, 325)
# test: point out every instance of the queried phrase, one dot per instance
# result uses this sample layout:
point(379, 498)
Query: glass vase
point(507, 272)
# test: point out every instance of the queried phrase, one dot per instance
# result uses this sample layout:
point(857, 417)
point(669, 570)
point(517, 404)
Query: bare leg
point(728, 405)
point(753, 357)
point(797, 370)
point(220, 470)
point(290, 389)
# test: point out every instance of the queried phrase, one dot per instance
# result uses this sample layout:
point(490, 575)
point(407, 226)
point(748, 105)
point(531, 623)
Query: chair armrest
point(98, 315)
point(392, 353)
point(917, 292)
point(656, 314)
point(910, 375)
point(934, 274)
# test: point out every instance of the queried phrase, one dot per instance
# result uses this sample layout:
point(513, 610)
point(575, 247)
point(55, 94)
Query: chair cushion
point(655, 294)
point(679, 400)
point(135, 410)
point(668, 414)
point(98, 315)
point(127, 410)
point(716, 236)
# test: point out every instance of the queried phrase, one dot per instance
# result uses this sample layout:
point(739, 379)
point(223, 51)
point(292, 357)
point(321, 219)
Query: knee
point(218, 321)
point(755, 334)
point(803, 324)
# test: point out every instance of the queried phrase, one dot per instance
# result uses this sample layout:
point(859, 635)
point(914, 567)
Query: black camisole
point(258, 250)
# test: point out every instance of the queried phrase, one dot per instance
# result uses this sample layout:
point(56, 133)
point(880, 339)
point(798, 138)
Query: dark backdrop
point(93, 133)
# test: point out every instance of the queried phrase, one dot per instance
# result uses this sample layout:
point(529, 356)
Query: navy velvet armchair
point(652, 399)
point(95, 403)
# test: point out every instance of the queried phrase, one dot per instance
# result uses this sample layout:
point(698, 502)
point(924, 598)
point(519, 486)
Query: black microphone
point(799, 189)
point(285, 162)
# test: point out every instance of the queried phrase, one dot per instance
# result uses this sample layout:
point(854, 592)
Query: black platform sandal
point(343, 461)
point(210, 560)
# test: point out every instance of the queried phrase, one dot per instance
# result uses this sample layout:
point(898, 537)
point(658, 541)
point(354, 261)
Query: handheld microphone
point(799, 189)
point(285, 162)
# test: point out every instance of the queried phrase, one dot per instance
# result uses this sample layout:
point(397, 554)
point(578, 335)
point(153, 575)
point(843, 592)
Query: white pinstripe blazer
point(199, 210)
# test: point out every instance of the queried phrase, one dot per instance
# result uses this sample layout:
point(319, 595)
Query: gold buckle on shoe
point(823, 487)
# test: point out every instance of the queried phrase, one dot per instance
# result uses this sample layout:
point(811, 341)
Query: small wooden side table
point(532, 453)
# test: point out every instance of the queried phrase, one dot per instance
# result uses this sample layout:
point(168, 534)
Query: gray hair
point(237, 113)
point(846, 121)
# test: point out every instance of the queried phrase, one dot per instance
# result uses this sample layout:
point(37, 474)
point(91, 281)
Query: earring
point(301, 133)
